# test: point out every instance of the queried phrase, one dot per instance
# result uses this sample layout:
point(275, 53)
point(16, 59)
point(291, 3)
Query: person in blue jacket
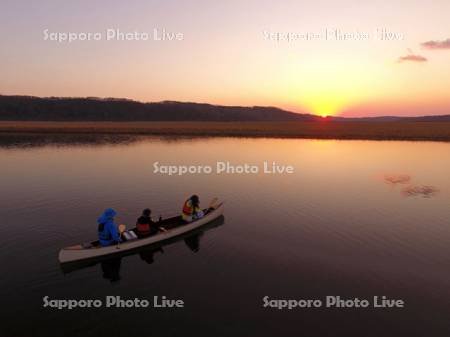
point(108, 233)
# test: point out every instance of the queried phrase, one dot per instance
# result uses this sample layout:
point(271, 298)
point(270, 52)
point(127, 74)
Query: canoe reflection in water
point(192, 241)
point(147, 255)
point(110, 267)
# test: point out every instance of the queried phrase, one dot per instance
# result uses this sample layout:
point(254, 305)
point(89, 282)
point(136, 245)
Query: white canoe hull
point(70, 254)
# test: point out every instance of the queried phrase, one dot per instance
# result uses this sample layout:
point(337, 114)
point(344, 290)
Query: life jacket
point(188, 209)
point(143, 228)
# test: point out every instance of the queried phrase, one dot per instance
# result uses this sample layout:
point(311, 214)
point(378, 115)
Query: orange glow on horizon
point(233, 62)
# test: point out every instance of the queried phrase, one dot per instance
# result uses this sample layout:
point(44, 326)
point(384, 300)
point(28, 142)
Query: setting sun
point(296, 148)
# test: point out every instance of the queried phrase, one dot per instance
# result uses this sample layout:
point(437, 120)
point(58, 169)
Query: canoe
point(143, 252)
point(175, 226)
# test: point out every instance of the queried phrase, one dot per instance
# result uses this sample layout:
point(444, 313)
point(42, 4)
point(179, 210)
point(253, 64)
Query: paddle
point(121, 228)
point(213, 203)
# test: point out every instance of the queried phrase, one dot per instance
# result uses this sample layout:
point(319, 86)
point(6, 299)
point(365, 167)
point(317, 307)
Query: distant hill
point(437, 118)
point(440, 118)
point(29, 108)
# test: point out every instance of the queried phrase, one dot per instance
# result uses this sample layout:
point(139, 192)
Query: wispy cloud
point(444, 44)
point(421, 190)
point(412, 58)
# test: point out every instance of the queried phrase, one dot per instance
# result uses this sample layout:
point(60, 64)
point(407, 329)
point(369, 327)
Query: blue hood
point(107, 215)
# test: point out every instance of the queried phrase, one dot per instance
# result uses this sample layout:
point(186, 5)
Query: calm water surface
point(356, 219)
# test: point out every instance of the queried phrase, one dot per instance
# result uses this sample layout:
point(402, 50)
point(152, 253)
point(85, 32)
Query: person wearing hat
point(108, 233)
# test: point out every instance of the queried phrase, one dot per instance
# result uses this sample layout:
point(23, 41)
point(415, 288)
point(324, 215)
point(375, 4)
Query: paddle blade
point(122, 228)
point(213, 203)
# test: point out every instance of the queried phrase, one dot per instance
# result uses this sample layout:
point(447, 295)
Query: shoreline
point(418, 131)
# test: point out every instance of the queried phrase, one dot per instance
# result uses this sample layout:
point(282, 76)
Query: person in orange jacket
point(191, 209)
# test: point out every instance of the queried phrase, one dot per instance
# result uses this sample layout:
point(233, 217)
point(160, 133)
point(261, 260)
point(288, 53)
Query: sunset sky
point(225, 57)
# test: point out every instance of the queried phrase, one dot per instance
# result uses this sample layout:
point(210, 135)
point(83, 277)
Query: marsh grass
point(322, 130)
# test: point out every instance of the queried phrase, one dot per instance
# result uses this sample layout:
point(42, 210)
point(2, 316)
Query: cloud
point(444, 44)
point(420, 191)
point(411, 58)
point(394, 179)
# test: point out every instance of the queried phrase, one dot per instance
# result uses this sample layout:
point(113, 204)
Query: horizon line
point(220, 105)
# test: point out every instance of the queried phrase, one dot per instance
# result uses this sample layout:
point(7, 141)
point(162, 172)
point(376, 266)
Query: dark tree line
point(27, 108)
